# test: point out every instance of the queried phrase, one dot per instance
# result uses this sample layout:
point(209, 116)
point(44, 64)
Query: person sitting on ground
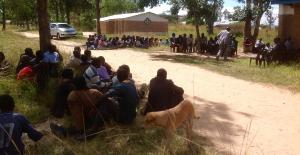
point(13, 125)
point(115, 80)
point(88, 54)
point(102, 71)
point(83, 105)
point(126, 97)
point(4, 65)
point(27, 72)
point(23, 62)
point(28, 52)
point(163, 93)
point(75, 60)
point(83, 65)
point(66, 85)
point(92, 78)
point(53, 58)
point(288, 44)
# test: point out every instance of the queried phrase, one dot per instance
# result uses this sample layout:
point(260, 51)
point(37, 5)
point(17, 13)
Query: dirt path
point(236, 116)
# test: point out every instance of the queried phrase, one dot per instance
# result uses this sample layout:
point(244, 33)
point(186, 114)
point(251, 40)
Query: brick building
point(289, 20)
point(142, 22)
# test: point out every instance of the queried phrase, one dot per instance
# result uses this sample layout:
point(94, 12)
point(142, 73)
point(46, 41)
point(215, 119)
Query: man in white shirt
point(222, 37)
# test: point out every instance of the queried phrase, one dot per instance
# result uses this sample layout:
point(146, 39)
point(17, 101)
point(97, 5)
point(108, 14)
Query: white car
point(61, 30)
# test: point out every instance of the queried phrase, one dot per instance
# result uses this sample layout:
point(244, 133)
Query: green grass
point(26, 98)
point(286, 76)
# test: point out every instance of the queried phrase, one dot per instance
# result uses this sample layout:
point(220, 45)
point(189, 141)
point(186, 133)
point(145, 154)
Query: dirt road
point(236, 116)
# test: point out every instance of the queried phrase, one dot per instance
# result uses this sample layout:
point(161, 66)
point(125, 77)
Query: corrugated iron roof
point(121, 16)
point(285, 1)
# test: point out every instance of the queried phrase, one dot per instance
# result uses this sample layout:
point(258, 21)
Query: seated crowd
point(102, 42)
point(280, 51)
point(202, 45)
point(89, 91)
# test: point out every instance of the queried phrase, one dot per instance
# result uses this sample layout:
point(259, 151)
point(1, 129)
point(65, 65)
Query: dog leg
point(169, 133)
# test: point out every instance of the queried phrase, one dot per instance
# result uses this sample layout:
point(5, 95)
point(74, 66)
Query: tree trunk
point(98, 15)
point(256, 28)
point(62, 11)
point(210, 27)
point(27, 23)
point(68, 10)
point(56, 10)
point(248, 19)
point(43, 20)
point(3, 16)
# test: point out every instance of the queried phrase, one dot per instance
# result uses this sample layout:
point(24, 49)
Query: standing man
point(223, 37)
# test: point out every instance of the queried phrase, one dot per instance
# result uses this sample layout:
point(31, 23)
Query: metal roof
point(121, 16)
point(285, 1)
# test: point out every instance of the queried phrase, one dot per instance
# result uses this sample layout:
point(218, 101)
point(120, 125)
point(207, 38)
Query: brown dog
point(171, 119)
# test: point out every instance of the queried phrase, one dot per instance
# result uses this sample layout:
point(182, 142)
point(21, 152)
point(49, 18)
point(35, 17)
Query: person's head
point(88, 53)
point(39, 54)
point(123, 73)
point(2, 56)
point(228, 29)
point(52, 48)
point(260, 39)
point(84, 58)
point(96, 62)
point(191, 35)
point(67, 74)
point(173, 34)
point(268, 44)
point(25, 60)
point(7, 103)
point(29, 52)
point(77, 48)
point(162, 73)
point(184, 35)
point(80, 83)
point(202, 34)
point(102, 60)
point(77, 53)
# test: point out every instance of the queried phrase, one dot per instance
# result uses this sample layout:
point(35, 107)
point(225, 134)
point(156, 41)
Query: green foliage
point(238, 14)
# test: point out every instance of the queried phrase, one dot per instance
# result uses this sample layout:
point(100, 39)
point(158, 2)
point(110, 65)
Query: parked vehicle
point(61, 30)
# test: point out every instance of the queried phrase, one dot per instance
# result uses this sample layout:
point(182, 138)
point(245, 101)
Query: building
point(142, 22)
point(289, 20)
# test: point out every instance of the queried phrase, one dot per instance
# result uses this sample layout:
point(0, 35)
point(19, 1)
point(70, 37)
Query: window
point(64, 26)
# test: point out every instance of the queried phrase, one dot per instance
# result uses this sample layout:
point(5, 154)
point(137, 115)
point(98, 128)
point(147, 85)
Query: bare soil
point(236, 116)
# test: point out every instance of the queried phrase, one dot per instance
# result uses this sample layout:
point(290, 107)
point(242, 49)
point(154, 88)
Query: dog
point(171, 119)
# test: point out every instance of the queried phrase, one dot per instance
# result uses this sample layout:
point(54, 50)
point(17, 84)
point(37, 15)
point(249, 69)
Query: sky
point(228, 4)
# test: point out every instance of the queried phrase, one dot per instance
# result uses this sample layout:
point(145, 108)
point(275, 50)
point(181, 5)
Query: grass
point(286, 76)
point(114, 140)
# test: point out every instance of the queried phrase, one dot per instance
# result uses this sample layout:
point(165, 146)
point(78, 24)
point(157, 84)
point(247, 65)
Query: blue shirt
point(128, 100)
point(50, 57)
point(12, 126)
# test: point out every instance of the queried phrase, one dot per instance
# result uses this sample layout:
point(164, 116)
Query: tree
point(238, 14)
point(98, 16)
point(211, 12)
point(175, 9)
point(23, 10)
point(254, 11)
point(43, 20)
point(270, 18)
point(3, 10)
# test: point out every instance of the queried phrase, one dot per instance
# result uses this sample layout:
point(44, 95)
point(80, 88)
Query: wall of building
point(126, 27)
point(289, 23)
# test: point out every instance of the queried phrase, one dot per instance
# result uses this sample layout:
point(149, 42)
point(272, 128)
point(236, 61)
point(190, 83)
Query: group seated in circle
point(103, 42)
